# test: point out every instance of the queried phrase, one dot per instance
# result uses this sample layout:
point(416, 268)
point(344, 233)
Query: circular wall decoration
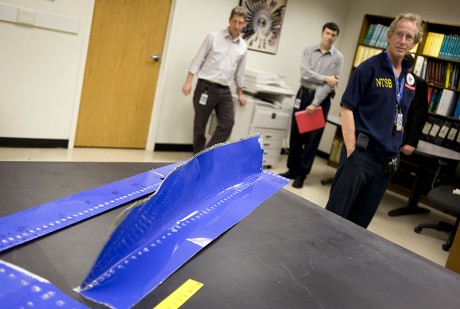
point(263, 26)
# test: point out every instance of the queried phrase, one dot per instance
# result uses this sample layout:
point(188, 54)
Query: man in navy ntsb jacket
point(374, 110)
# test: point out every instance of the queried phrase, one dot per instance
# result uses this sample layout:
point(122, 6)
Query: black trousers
point(303, 147)
point(358, 187)
point(219, 100)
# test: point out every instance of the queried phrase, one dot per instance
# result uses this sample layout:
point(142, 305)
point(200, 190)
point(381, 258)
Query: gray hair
point(413, 17)
point(239, 11)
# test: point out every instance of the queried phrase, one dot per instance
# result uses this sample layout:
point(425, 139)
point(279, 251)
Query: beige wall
point(41, 70)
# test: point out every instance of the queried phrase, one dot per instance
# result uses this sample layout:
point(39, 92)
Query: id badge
point(399, 122)
point(297, 103)
point(203, 98)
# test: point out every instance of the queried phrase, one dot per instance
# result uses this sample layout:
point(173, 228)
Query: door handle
point(156, 57)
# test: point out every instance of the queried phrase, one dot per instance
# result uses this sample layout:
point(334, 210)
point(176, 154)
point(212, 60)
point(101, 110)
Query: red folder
point(307, 123)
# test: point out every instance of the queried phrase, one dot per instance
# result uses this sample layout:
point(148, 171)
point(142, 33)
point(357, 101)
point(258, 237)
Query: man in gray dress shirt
point(221, 58)
point(320, 68)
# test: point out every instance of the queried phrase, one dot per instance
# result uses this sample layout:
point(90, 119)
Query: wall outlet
point(26, 17)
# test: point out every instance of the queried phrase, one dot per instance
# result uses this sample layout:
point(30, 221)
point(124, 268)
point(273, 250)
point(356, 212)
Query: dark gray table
point(288, 253)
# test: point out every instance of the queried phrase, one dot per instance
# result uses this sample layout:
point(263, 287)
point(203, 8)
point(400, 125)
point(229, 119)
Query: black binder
point(427, 128)
point(437, 124)
point(449, 141)
point(442, 134)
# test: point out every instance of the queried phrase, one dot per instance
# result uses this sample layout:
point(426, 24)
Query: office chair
point(443, 198)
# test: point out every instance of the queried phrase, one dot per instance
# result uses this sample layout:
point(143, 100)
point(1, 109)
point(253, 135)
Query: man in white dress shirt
point(221, 58)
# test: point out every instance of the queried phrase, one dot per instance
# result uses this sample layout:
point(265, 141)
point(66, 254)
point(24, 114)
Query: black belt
point(363, 142)
point(308, 90)
point(211, 84)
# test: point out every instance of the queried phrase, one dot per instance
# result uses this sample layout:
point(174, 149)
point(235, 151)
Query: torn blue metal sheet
point(36, 222)
point(196, 203)
point(21, 289)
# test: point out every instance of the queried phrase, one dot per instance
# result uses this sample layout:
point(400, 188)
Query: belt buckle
point(308, 90)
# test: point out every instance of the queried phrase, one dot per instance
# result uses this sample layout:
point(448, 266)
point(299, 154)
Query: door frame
point(159, 93)
point(158, 99)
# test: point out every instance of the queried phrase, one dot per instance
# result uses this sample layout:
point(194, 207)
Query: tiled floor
point(397, 229)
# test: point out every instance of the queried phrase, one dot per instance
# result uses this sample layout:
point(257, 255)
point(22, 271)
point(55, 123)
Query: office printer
point(268, 112)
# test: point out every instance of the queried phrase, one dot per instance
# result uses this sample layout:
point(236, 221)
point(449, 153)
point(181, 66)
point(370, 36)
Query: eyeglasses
point(409, 38)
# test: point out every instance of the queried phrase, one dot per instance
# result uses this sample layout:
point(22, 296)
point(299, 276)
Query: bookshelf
point(437, 60)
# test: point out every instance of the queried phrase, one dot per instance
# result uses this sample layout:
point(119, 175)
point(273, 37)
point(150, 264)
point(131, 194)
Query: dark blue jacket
point(371, 95)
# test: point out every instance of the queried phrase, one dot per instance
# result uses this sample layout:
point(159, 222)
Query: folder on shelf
point(369, 33)
point(428, 44)
point(457, 109)
point(381, 40)
point(430, 95)
point(376, 34)
point(438, 44)
point(445, 43)
point(434, 100)
point(419, 65)
point(447, 75)
point(359, 54)
point(446, 103)
point(307, 123)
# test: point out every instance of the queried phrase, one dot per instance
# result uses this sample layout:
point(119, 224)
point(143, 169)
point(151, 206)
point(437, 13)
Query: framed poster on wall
point(263, 27)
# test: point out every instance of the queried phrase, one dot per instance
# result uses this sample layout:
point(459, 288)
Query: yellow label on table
point(180, 295)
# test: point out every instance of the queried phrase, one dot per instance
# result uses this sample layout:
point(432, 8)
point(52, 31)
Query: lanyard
point(399, 87)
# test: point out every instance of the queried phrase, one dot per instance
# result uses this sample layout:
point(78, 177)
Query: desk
point(288, 253)
point(425, 150)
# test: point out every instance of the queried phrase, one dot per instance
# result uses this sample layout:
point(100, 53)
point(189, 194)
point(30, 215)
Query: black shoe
point(298, 182)
point(289, 174)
